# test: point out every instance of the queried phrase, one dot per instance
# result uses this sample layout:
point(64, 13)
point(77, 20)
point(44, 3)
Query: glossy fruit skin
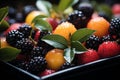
point(55, 59)
point(53, 22)
point(32, 15)
point(46, 72)
point(13, 26)
point(88, 56)
point(108, 49)
point(99, 24)
point(3, 42)
point(65, 29)
point(116, 9)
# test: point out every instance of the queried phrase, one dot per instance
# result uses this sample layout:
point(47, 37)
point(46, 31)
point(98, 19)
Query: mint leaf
point(42, 25)
point(82, 34)
point(3, 13)
point(56, 41)
point(79, 48)
point(8, 53)
point(69, 54)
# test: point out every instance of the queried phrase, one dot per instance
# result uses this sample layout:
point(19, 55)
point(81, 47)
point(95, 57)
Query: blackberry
point(115, 27)
point(40, 42)
point(107, 38)
point(78, 19)
point(36, 51)
point(46, 47)
point(35, 65)
point(86, 8)
point(25, 44)
point(93, 42)
point(66, 65)
point(25, 29)
point(13, 36)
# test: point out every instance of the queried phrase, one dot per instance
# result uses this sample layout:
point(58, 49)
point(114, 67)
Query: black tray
point(108, 68)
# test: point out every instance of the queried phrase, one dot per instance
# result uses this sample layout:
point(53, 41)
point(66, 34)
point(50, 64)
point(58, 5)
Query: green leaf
point(56, 41)
point(44, 6)
point(82, 34)
point(39, 17)
point(3, 13)
point(79, 48)
point(42, 25)
point(69, 54)
point(65, 4)
point(8, 53)
point(4, 25)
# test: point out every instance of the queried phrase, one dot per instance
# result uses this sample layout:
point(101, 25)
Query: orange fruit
point(32, 15)
point(65, 29)
point(3, 42)
point(55, 59)
point(100, 25)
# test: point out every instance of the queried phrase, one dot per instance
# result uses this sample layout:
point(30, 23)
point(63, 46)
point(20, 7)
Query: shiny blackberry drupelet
point(115, 27)
point(13, 36)
point(107, 38)
point(36, 51)
point(46, 47)
point(25, 44)
point(86, 8)
point(40, 42)
point(35, 65)
point(66, 65)
point(78, 19)
point(25, 29)
point(93, 42)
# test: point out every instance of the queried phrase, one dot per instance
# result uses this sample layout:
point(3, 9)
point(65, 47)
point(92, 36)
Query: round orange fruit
point(32, 15)
point(100, 25)
point(3, 42)
point(65, 29)
point(55, 59)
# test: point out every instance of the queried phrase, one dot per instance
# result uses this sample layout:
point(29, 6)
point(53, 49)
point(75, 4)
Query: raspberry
point(108, 49)
point(13, 36)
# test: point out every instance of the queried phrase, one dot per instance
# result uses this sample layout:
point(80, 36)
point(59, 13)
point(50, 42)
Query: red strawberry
point(46, 72)
point(88, 56)
point(108, 49)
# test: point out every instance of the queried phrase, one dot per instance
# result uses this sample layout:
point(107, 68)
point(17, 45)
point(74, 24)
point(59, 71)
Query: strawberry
point(46, 72)
point(88, 56)
point(108, 49)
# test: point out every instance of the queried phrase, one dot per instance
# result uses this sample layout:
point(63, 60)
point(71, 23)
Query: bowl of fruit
point(59, 42)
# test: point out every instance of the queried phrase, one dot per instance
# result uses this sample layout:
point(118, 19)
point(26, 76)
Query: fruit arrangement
point(50, 41)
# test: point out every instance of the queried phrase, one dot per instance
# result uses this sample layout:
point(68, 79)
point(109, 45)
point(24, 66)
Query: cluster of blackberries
point(81, 15)
point(34, 54)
